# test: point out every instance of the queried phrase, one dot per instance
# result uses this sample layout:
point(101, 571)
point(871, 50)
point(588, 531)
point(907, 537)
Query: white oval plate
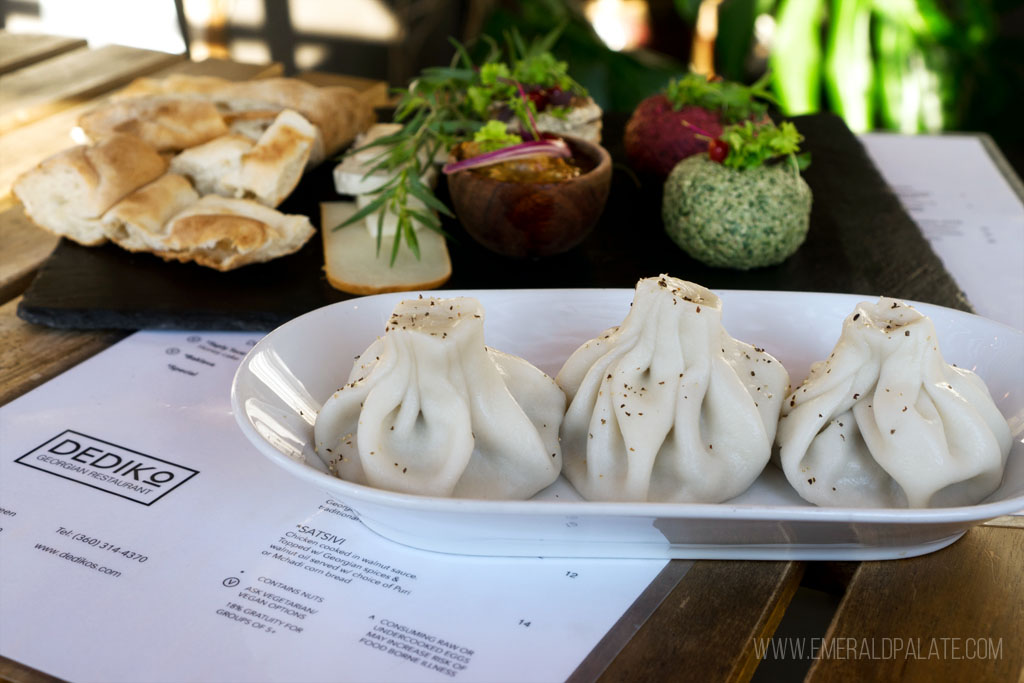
point(281, 384)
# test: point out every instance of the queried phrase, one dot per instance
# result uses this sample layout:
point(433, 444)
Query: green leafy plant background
point(903, 65)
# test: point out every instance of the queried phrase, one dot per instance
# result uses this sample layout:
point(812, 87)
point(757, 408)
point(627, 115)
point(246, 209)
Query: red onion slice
point(533, 148)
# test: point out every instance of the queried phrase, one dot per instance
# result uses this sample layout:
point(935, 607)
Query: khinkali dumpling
point(886, 422)
point(428, 409)
point(667, 406)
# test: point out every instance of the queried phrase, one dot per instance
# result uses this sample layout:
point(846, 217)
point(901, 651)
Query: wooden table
point(706, 625)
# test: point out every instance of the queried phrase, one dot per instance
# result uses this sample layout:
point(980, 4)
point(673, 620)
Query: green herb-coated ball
point(736, 218)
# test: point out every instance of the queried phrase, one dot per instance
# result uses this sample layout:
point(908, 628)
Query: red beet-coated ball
point(657, 137)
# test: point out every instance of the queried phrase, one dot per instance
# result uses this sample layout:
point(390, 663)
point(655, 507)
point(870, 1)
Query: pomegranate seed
point(718, 150)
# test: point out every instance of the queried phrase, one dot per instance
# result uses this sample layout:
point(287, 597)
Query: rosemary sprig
point(433, 118)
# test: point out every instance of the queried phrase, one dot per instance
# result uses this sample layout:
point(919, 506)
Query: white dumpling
point(667, 406)
point(886, 422)
point(428, 409)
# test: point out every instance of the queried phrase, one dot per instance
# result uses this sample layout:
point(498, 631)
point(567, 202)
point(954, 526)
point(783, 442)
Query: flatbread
point(165, 123)
point(224, 234)
point(68, 192)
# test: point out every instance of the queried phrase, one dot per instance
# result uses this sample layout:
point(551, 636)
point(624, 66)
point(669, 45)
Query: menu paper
point(966, 209)
point(143, 538)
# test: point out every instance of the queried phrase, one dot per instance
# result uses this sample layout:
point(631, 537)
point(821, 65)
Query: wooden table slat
point(24, 247)
point(705, 628)
point(30, 355)
point(14, 672)
point(957, 612)
point(18, 50)
point(44, 88)
point(26, 146)
point(221, 68)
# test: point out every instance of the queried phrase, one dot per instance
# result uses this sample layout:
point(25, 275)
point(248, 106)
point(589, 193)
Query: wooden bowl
point(529, 220)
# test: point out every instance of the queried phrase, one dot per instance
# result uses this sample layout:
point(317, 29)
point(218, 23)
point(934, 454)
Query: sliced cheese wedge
point(353, 265)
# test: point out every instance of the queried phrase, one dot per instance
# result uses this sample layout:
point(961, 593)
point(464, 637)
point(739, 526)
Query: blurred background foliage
point(902, 65)
point(616, 80)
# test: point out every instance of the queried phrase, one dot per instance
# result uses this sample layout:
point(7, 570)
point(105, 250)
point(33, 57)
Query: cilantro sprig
point(494, 136)
point(543, 70)
point(752, 144)
point(734, 101)
point(530, 65)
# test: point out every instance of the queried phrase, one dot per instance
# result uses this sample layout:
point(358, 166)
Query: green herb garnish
point(751, 145)
point(495, 85)
point(543, 70)
point(445, 106)
point(494, 136)
point(734, 101)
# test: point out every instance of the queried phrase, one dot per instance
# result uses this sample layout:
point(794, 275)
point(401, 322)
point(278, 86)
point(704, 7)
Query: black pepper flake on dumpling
point(884, 421)
point(695, 432)
point(430, 410)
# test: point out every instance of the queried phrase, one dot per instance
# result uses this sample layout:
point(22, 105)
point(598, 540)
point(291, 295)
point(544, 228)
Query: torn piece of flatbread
point(267, 170)
point(270, 169)
point(139, 221)
point(249, 107)
point(209, 164)
point(67, 193)
point(338, 112)
point(168, 124)
point(223, 233)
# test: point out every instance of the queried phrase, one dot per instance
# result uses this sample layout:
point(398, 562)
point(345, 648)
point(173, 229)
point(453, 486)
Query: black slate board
point(861, 241)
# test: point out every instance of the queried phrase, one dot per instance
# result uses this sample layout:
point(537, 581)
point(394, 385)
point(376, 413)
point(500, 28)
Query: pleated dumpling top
point(429, 409)
point(667, 406)
point(884, 421)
